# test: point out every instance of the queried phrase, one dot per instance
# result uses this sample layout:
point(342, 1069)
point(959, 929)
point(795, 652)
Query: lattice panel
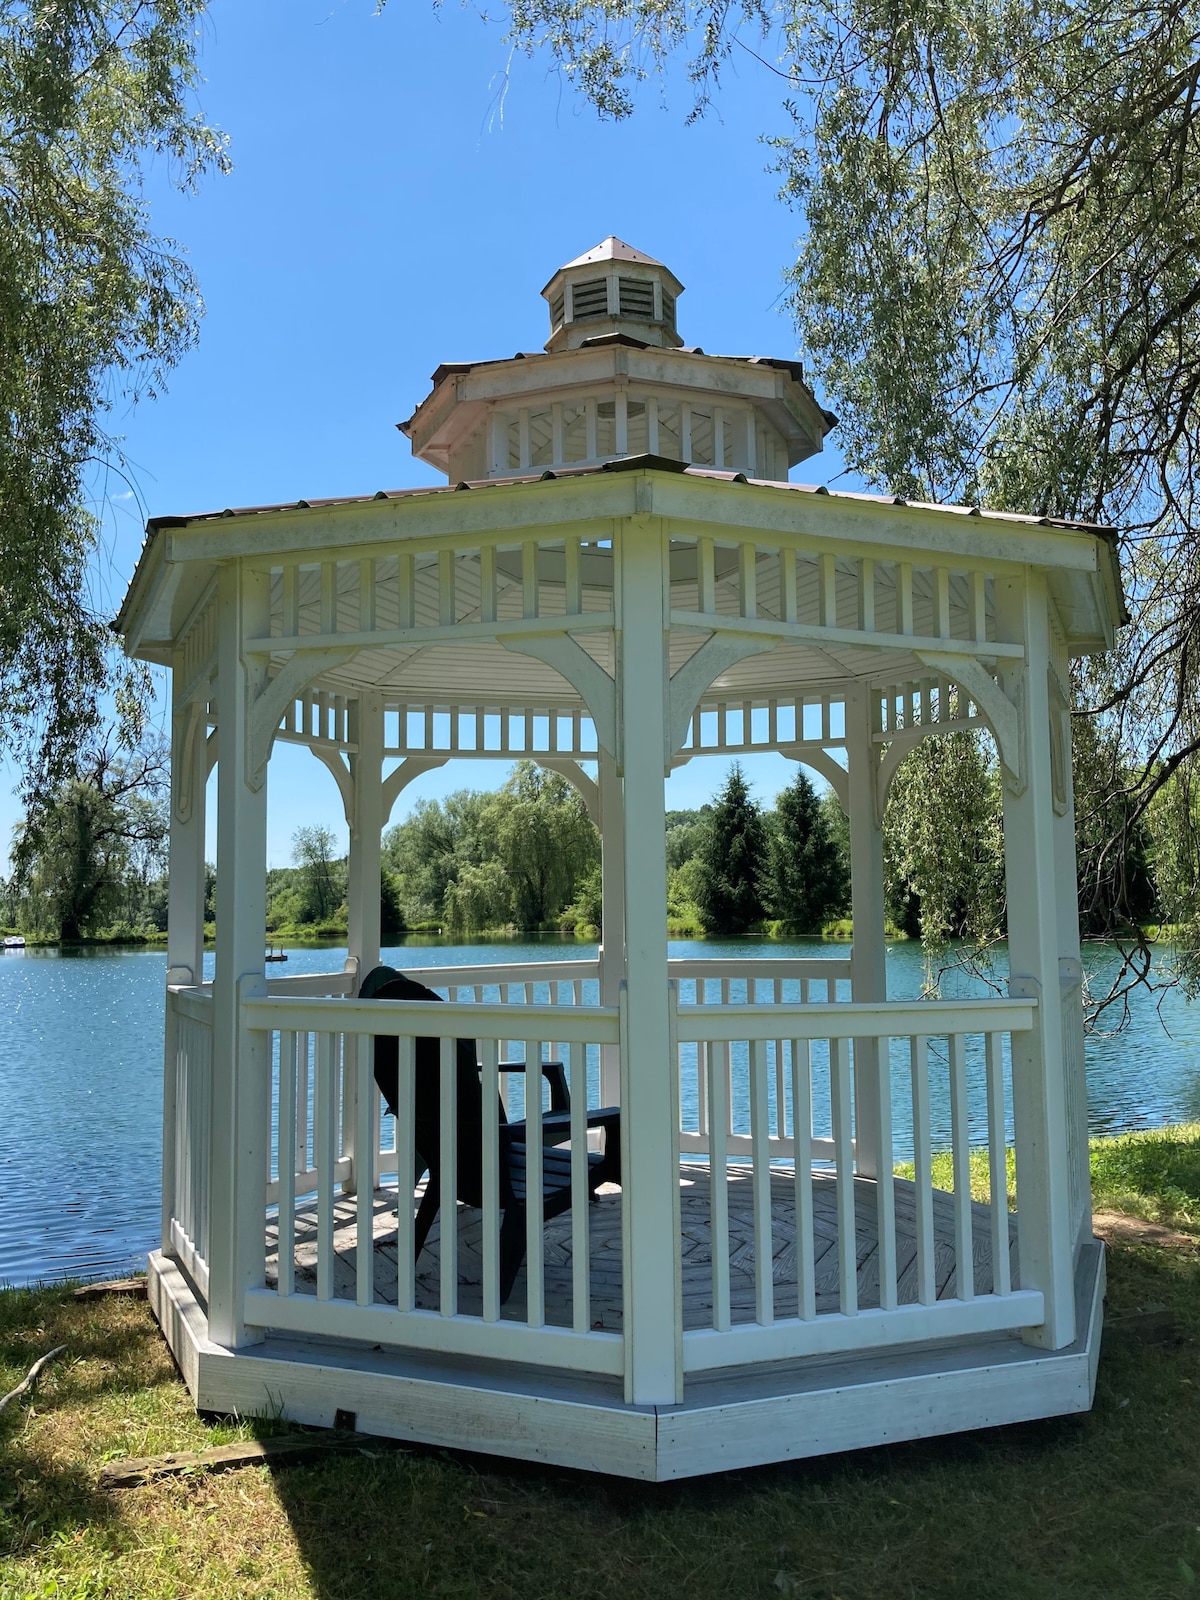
point(818, 588)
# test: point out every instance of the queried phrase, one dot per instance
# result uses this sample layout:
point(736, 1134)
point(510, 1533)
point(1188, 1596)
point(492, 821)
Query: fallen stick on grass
point(32, 1376)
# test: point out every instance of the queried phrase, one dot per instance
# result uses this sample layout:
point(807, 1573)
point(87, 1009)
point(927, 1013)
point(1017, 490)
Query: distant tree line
point(91, 861)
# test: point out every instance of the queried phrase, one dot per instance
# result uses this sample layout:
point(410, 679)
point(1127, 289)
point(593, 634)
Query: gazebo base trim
point(730, 1419)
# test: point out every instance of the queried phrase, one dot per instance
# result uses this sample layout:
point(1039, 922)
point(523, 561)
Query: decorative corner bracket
point(1004, 717)
point(716, 655)
point(599, 692)
point(266, 708)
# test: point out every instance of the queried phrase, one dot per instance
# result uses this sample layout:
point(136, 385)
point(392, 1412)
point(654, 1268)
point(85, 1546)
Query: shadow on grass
point(1098, 1504)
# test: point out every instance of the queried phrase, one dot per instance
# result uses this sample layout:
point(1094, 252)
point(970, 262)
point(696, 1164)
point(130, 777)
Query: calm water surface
point(81, 1090)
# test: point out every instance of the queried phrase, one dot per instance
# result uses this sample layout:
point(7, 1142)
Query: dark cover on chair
point(427, 1119)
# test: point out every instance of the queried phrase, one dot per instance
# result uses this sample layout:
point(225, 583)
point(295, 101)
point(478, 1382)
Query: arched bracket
point(1060, 744)
point(1003, 717)
point(396, 782)
point(266, 709)
point(716, 655)
point(336, 762)
point(835, 775)
point(599, 692)
point(185, 724)
point(588, 789)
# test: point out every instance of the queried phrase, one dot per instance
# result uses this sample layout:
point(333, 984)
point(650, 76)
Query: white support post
point(868, 955)
point(366, 832)
point(185, 913)
point(649, 1126)
point(1070, 985)
point(240, 1130)
point(363, 895)
point(185, 903)
point(1032, 873)
point(612, 934)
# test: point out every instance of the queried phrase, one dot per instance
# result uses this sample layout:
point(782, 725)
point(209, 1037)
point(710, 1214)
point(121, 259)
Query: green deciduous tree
point(805, 880)
point(477, 860)
point(731, 861)
point(322, 873)
point(545, 840)
point(943, 843)
point(93, 308)
point(97, 845)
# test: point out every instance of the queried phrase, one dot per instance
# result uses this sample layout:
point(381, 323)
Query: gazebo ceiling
point(485, 673)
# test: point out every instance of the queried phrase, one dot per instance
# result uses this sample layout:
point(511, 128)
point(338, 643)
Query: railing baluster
point(760, 1157)
point(581, 1264)
point(922, 1170)
point(997, 1163)
point(960, 1139)
point(535, 1292)
point(286, 1222)
point(448, 1194)
point(406, 1178)
point(324, 1152)
point(357, 1048)
point(718, 1099)
point(840, 1097)
point(885, 1209)
point(489, 1055)
point(806, 1289)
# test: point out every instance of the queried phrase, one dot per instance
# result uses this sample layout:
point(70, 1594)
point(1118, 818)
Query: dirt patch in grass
point(1114, 1227)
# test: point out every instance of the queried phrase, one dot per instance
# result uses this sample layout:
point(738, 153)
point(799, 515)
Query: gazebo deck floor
point(606, 1305)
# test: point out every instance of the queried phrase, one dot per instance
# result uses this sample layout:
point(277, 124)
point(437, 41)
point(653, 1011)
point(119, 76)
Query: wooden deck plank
point(696, 1247)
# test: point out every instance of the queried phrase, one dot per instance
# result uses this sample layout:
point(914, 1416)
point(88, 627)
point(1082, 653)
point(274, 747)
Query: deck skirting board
point(728, 1420)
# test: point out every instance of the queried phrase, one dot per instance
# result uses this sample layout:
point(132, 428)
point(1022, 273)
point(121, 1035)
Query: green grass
point(1153, 1174)
point(1100, 1507)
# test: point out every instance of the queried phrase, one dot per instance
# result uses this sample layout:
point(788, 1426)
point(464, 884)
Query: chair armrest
point(554, 1074)
point(556, 1127)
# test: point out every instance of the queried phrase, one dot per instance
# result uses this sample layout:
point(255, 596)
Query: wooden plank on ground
point(135, 1470)
point(135, 1287)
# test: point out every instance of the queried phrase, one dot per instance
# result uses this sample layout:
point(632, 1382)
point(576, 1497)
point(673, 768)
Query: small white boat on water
point(14, 942)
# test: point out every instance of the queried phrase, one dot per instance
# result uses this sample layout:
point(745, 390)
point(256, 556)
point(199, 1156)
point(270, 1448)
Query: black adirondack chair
point(385, 983)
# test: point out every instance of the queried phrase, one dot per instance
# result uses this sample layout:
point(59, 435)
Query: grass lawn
point(1104, 1505)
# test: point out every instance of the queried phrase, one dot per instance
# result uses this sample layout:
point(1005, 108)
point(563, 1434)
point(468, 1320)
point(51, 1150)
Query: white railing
point(187, 1142)
point(788, 1110)
point(844, 1064)
point(325, 1103)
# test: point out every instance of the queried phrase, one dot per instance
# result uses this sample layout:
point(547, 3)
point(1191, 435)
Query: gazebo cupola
point(616, 382)
point(612, 289)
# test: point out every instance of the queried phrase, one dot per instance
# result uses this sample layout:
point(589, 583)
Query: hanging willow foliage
point(93, 308)
point(998, 285)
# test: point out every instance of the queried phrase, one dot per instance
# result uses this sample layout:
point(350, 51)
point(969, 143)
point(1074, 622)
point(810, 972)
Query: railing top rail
point(523, 972)
point(854, 1019)
point(486, 1020)
point(833, 967)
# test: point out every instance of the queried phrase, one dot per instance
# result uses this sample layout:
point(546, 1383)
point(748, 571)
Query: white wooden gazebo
point(616, 577)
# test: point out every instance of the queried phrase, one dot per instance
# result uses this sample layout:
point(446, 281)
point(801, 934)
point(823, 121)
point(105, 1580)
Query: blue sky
point(402, 187)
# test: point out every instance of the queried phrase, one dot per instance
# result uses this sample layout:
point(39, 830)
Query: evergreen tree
point(731, 861)
point(804, 882)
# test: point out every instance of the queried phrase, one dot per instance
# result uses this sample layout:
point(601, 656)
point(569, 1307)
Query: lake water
point(81, 1082)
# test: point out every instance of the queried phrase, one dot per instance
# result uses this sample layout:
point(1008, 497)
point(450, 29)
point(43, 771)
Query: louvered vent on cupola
point(637, 298)
point(589, 299)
